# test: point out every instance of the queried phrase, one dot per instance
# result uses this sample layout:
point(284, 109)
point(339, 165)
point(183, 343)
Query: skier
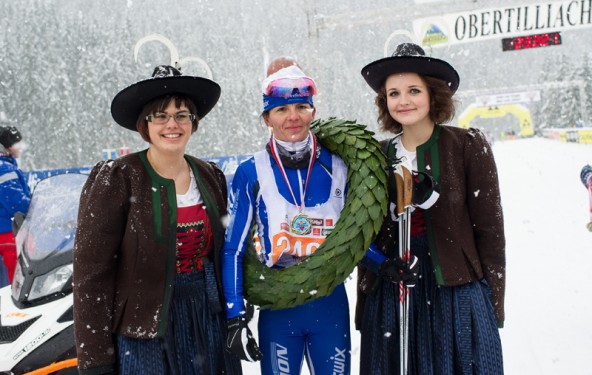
point(14, 191)
point(586, 177)
point(147, 256)
point(294, 192)
point(457, 303)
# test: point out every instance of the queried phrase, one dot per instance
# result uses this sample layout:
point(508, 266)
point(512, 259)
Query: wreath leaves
point(359, 223)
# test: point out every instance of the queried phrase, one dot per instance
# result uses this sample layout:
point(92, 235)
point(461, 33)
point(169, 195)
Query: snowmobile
point(36, 318)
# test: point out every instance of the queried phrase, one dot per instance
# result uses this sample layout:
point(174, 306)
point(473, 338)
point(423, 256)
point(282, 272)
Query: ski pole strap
point(403, 175)
point(395, 179)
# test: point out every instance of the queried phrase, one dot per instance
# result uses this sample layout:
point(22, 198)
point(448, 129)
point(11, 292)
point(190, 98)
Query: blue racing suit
point(14, 192)
point(14, 196)
point(259, 194)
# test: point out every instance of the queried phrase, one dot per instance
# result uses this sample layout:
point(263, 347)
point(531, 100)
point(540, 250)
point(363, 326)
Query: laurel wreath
point(359, 223)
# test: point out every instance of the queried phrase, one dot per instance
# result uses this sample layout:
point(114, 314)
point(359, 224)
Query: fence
point(575, 135)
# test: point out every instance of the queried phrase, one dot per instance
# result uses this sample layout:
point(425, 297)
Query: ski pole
point(404, 183)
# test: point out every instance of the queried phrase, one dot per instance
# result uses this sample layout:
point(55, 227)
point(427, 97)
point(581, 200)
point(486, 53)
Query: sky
point(548, 326)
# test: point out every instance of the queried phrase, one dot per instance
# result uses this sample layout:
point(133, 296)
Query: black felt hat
point(409, 58)
point(9, 135)
point(166, 80)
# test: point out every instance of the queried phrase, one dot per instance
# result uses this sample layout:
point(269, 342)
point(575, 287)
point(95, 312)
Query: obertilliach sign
point(502, 22)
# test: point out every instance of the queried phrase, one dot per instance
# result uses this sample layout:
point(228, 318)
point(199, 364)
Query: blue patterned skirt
point(452, 330)
point(194, 342)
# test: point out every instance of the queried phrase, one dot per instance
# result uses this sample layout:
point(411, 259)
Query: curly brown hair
point(442, 108)
point(159, 105)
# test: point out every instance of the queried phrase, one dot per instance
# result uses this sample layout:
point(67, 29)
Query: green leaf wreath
point(360, 221)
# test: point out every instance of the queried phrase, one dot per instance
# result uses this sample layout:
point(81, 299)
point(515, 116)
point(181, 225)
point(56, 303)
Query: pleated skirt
point(452, 330)
point(194, 342)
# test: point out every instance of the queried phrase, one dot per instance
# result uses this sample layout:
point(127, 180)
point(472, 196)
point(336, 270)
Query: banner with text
point(503, 22)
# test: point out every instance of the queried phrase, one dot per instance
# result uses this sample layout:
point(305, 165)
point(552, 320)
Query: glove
point(240, 340)
point(425, 193)
point(396, 270)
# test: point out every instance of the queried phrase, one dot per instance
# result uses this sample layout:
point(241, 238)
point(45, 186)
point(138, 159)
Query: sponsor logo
point(285, 226)
point(280, 363)
point(339, 361)
point(434, 35)
point(31, 344)
point(326, 231)
point(316, 231)
point(338, 192)
point(316, 222)
point(329, 222)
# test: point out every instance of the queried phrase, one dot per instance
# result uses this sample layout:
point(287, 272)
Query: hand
point(240, 340)
point(396, 270)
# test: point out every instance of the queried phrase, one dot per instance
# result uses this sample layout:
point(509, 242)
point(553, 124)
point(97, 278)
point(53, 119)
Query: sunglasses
point(287, 87)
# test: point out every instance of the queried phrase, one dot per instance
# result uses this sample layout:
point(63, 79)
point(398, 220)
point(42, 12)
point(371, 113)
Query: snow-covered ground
point(548, 327)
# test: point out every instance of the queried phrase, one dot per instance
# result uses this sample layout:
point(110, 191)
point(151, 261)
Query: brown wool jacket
point(125, 252)
point(465, 226)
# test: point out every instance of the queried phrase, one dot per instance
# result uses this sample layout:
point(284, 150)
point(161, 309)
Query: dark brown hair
point(441, 105)
point(159, 105)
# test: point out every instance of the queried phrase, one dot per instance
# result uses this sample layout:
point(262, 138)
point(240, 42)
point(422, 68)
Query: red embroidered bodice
point(194, 238)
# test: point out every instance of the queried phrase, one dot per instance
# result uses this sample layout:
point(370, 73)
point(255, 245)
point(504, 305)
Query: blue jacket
point(14, 192)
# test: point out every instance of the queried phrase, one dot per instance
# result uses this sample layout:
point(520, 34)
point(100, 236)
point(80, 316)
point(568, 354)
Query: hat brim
point(128, 103)
point(378, 71)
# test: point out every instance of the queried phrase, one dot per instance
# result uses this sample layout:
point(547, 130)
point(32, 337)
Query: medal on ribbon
point(301, 224)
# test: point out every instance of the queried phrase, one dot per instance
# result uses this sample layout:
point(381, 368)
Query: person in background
point(280, 189)
point(147, 254)
point(15, 195)
point(586, 177)
point(457, 304)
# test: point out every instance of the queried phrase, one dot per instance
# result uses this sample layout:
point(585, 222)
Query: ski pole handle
point(404, 184)
point(400, 189)
point(407, 187)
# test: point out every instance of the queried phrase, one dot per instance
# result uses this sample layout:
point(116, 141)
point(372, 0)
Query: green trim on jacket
point(158, 183)
point(431, 146)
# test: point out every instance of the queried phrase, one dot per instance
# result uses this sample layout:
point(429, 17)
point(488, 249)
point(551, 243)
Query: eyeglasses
point(181, 118)
point(286, 87)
